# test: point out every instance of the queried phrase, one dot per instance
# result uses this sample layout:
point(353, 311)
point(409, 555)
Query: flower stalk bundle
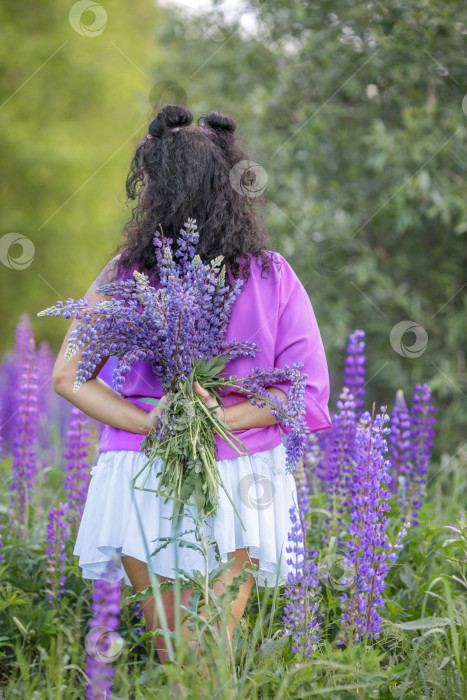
point(180, 330)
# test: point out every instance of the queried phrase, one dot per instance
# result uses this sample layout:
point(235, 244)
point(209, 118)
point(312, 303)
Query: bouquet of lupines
point(180, 330)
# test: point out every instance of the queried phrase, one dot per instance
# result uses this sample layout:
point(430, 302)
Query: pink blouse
point(275, 312)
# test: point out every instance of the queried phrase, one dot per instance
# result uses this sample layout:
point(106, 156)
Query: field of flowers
point(376, 607)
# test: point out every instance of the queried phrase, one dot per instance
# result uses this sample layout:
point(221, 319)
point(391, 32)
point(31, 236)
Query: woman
point(182, 170)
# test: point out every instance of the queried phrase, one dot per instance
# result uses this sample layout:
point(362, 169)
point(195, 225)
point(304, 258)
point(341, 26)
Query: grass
point(421, 653)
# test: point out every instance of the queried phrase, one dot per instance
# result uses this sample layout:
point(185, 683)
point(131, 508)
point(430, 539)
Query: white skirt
point(258, 485)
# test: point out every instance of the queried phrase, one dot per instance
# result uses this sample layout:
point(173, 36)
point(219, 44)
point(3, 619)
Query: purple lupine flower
point(367, 531)
point(24, 465)
point(57, 532)
point(300, 611)
point(76, 479)
point(10, 377)
point(291, 415)
point(399, 447)
point(23, 338)
point(301, 617)
point(354, 370)
point(421, 437)
point(341, 457)
point(103, 643)
point(139, 629)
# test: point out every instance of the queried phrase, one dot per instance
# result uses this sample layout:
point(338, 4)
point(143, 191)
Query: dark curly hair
point(187, 173)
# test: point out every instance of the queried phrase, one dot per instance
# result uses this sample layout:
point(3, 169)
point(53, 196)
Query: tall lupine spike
point(12, 368)
point(399, 447)
point(23, 336)
point(103, 643)
point(341, 458)
point(57, 533)
point(76, 477)
point(367, 531)
point(421, 437)
point(354, 370)
point(301, 617)
point(24, 465)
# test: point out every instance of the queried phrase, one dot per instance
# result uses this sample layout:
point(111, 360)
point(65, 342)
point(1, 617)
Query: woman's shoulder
point(109, 272)
point(277, 268)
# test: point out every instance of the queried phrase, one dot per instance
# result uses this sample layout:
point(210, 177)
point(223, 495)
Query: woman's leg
point(138, 574)
point(238, 605)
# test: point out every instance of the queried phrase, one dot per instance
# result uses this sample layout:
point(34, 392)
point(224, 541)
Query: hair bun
point(220, 122)
point(169, 117)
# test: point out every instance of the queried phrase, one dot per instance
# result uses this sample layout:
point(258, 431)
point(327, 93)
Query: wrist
point(151, 421)
point(222, 415)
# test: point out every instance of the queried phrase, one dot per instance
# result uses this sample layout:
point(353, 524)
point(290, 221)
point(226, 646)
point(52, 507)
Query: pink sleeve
point(298, 340)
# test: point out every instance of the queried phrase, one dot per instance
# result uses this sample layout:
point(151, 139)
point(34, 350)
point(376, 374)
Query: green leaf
point(153, 402)
point(424, 623)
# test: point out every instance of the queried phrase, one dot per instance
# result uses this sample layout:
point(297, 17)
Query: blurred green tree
point(75, 98)
point(373, 150)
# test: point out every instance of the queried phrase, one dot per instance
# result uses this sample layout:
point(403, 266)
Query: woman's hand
point(155, 414)
point(209, 400)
